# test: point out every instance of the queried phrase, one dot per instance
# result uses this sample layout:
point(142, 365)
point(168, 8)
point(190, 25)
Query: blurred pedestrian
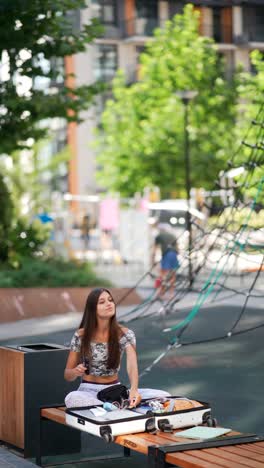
point(85, 228)
point(167, 243)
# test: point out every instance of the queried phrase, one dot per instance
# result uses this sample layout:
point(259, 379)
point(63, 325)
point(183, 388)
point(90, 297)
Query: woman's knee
point(153, 393)
point(77, 399)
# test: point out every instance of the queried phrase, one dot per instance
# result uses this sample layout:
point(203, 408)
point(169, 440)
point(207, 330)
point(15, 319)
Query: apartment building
point(236, 25)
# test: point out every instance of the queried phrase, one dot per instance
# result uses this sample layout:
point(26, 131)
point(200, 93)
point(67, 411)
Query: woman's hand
point(134, 398)
point(71, 373)
point(79, 370)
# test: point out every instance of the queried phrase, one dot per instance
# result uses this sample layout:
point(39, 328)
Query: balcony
point(112, 32)
point(139, 27)
point(129, 29)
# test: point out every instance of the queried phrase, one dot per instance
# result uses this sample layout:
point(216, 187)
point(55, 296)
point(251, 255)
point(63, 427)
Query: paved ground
point(227, 373)
point(10, 460)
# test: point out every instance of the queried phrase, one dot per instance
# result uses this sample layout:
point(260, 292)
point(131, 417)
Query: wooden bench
point(235, 450)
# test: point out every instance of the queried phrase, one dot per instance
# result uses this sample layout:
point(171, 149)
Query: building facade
point(236, 25)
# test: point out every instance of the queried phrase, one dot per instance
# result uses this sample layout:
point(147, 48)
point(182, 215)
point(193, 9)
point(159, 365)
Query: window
point(217, 28)
point(147, 8)
point(106, 62)
point(253, 18)
point(108, 12)
point(146, 17)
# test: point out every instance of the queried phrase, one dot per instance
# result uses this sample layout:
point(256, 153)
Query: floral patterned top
point(98, 362)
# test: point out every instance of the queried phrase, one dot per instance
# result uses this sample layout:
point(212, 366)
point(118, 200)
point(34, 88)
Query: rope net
point(227, 257)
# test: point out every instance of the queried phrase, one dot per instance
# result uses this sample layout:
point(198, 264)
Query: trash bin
point(32, 377)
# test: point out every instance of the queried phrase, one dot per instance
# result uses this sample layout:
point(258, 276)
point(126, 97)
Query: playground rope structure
point(236, 242)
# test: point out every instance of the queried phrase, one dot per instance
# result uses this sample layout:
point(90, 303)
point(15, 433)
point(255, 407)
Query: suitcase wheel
point(212, 422)
point(108, 437)
point(106, 434)
point(165, 426)
point(150, 426)
point(209, 421)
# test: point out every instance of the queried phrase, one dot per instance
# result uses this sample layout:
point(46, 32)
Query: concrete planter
point(25, 303)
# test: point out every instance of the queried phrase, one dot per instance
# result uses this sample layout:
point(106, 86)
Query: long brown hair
point(89, 324)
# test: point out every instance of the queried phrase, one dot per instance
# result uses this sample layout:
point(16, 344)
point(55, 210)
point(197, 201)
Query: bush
point(233, 219)
point(49, 273)
point(26, 240)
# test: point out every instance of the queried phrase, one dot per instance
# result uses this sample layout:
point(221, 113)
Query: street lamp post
point(186, 97)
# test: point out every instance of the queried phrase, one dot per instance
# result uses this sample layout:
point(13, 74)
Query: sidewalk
point(10, 460)
point(124, 275)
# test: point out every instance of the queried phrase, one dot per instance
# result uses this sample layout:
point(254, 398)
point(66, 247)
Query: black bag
point(116, 392)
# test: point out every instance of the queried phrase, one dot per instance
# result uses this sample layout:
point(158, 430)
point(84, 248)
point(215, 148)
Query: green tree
point(142, 140)
point(35, 37)
point(250, 129)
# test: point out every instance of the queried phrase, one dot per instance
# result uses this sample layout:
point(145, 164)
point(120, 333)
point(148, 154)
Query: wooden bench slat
point(247, 455)
point(134, 442)
point(254, 448)
point(190, 460)
point(247, 452)
point(259, 444)
point(231, 456)
point(54, 414)
point(160, 438)
point(218, 457)
point(224, 457)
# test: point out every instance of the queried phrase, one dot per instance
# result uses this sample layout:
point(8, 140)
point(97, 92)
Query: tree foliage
point(252, 110)
point(35, 37)
point(142, 141)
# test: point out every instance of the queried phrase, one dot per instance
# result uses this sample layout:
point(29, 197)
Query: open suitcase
point(108, 424)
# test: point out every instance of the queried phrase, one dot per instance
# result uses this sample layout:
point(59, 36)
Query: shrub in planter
point(34, 272)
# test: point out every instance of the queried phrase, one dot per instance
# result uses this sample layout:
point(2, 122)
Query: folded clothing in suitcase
point(108, 424)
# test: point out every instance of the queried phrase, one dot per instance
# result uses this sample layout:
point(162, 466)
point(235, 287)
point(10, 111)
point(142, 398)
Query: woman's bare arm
point(73, 367)
point(132, 370)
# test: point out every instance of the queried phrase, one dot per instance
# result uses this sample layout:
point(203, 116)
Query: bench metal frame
point(157, 453)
